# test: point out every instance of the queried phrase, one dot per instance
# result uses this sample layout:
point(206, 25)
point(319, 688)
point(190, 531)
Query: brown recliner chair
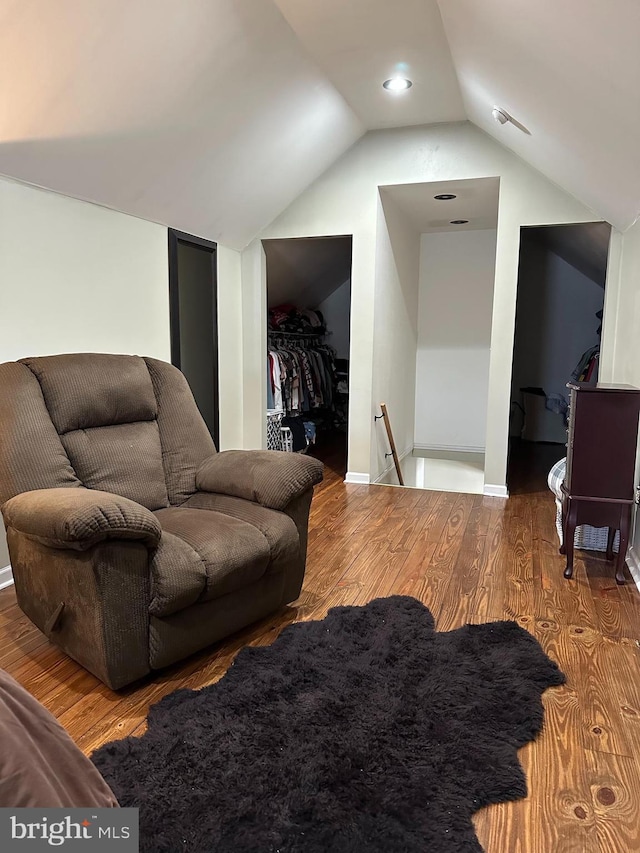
point(133, 543)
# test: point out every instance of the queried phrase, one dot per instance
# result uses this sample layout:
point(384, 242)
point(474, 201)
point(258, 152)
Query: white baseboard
point(357, 479)
point(633, 564)
point(492, 491)
point(449, 448)
point(6, 577)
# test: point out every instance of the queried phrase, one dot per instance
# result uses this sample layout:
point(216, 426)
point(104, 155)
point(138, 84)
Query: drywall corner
point(254, 346)
point(230, 346)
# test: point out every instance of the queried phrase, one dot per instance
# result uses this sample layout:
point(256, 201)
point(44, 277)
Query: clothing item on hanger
point(301, 375)
point(586, 370)
point(296, 425)
point(269, 382)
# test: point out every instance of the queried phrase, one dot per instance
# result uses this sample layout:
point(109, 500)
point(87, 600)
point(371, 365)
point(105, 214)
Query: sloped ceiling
point(361, 43)
point(207, 115)
point(213, 115)
point(584, 246)
point(306, 271)
point(570, 73)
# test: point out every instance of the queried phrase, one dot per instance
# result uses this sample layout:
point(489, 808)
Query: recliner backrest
point(118, 423)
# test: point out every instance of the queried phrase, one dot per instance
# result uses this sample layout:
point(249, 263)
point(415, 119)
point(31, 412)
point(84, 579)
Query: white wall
point(395, 334)
point(457, 271)
point(344, 201)
point(555, 321)
point(230, 348)
point(623, 285)
point(623, 294)
point(336, 310)
point(78, 278)
point(253, 334)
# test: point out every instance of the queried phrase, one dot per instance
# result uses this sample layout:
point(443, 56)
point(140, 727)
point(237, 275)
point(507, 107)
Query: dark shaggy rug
point(366, 731)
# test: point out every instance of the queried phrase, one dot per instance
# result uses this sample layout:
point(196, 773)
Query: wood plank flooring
point(469, 559)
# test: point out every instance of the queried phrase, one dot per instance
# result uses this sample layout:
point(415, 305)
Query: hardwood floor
point(469, 559)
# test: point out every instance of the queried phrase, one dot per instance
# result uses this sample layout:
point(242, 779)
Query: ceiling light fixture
point(458, 222)
point(397, 84)
point(503, 117)
point(445, 196)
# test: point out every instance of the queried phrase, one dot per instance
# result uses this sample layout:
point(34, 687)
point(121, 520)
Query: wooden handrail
point(392, 444)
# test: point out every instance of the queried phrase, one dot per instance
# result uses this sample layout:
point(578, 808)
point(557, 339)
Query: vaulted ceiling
point(207, 115)
point(569, 72)
point(213, 115)
point(306, 271)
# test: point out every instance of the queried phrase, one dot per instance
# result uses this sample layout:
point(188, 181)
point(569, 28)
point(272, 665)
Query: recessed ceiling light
point(397, 84)
point(445, 196)
point(458, 222)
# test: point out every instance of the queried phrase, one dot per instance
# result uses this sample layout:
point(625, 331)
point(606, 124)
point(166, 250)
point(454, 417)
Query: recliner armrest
point(78, 518)
point(267, 477)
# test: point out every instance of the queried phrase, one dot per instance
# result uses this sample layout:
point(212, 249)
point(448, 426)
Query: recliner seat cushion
point(206, 555)
point(278, 528)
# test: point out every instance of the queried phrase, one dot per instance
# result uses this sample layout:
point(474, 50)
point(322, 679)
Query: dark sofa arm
point(78, 518)
point(268, 477)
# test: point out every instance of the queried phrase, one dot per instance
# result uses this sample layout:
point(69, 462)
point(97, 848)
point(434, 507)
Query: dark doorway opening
point(308, 335)
point(559, 313)
point(193, 298)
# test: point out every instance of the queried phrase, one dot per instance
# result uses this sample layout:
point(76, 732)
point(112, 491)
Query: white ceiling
point(361, 43)
point(570, 73)
point(476, 200)
point(207, 115)
point(213, 115)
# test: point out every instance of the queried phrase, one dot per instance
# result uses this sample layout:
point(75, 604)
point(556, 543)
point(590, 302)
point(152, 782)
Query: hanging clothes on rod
point(300, 372)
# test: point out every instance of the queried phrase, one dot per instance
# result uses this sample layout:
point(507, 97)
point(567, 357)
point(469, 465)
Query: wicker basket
point(586, 537)
point(274, 431)
point(287, 439)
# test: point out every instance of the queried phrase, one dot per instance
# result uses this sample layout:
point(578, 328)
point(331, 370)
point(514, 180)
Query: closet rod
point(273, 333)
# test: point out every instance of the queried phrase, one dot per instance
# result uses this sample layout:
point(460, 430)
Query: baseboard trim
point(449, 448)
point(6, 577)
point(357, 479)
point(633, 564)
point(492, 491)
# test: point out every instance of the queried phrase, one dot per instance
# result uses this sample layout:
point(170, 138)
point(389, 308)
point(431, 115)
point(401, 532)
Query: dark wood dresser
point(601, 452)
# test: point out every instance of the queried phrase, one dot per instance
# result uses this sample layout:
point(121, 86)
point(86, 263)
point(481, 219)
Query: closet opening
point(308, 344)
point(559, 313)
point(193, 316)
